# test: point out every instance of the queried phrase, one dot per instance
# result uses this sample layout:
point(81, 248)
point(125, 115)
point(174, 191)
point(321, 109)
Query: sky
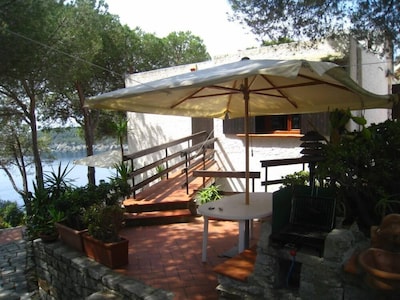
point(204, 18)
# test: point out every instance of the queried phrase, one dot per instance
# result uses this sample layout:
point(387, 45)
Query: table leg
point(205, 239)
point(247, 234)
point(242, 235)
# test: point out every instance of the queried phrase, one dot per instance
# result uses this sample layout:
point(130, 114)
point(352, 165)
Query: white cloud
point(206, 19)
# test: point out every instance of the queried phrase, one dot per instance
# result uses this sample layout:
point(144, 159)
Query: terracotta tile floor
point(169, 256)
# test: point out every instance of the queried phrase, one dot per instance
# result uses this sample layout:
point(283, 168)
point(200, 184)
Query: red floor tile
point(169, 256)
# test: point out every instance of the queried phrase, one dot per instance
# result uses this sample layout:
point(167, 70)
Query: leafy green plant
point(105, 222)
point(160, 169)
point(120, 181)
point(42, 221)
point(297, 178)
point(57, 182)
point(11, 214)
point(208, 194)
point(363, 166)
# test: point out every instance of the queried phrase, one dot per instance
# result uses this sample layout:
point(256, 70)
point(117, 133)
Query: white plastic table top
point(234, 207)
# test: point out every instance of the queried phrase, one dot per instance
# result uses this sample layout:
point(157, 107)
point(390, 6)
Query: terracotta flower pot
point(71, 236)
point(112, 255)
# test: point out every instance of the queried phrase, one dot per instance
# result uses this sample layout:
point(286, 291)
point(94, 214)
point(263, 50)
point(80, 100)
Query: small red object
point(293, 252)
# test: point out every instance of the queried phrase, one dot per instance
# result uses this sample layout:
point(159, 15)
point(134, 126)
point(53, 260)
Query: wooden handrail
point(184, 159)
point(280, 162)
point(162, 146)
point(227, 174)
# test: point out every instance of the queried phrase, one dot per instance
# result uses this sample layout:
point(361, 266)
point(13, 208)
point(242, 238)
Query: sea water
point(77, 173)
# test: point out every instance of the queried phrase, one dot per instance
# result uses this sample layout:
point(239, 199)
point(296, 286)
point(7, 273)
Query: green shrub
point(11, 215)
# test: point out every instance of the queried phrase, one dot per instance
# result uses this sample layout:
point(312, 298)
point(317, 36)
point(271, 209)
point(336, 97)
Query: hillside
point(70, 139)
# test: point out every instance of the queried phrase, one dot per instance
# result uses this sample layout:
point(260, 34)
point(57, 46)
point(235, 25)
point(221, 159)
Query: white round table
point(234, 208)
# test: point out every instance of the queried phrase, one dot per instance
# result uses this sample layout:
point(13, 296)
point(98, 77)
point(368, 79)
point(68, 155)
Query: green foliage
point(60, 135)
point(208, 194)
point(297, 178)
point(44, 215)
point(10, 214)
point(184, 48)
point(105, 222)
point(374, 21)
point(279, 41)
point(363, 167)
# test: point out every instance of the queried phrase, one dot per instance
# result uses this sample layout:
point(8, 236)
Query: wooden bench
point(238, 267)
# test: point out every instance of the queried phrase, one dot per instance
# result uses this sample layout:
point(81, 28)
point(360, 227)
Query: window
point(271, 124)
point(280, 124)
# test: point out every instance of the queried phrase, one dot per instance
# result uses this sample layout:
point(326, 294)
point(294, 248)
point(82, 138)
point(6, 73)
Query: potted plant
point(161, 171)
point(208, 194)
point(102, 241)
point(105, 220)
point(41, 222)
point(73, 202)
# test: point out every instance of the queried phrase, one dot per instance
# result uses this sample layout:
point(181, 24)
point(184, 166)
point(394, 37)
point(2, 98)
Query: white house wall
point(369, 71)
point(146, 130)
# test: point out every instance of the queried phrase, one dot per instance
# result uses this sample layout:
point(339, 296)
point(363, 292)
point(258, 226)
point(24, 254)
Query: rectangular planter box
point(112, 255)
point(71, 237)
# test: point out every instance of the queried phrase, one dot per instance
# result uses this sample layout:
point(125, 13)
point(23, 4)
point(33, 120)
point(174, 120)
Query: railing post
point(166, 163)
point(133, 180)
point(266, 178)
point(187, 172)
point(204, 165)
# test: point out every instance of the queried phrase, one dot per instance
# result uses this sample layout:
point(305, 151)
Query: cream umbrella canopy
point(244, 89)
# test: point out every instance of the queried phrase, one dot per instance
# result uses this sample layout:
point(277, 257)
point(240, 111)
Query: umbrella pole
point(246, 96)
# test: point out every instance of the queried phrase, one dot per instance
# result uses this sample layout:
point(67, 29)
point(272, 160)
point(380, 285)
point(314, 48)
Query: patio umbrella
point(103, 160)
point(243, 89)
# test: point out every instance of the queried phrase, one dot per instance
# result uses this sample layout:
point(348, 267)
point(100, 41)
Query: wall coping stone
point(53, 260)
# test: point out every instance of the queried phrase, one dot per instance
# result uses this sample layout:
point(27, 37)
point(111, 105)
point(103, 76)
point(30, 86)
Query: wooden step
point(160, 206)
point(159, 217)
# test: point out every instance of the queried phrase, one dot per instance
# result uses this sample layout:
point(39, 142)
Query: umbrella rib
point(317, 81)
point(229, 90)
point(278, 89)
point(187, 97)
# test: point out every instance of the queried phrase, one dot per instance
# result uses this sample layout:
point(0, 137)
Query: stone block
point(104, 295)
point(337, 242)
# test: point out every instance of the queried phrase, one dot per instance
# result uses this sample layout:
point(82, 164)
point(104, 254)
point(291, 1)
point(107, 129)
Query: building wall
point(147, 130)
point(369, 71)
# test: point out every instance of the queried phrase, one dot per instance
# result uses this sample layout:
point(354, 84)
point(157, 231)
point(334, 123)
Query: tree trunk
point(30, 114)
point(88, 132)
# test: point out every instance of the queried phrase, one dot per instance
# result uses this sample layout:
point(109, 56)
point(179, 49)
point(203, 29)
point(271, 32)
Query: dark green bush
point(10, 214)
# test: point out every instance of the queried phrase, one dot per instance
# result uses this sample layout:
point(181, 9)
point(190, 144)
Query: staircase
point(156, 200)
point(165, 202)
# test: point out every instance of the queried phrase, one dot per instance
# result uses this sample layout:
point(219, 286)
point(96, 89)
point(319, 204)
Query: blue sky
point(204, 18)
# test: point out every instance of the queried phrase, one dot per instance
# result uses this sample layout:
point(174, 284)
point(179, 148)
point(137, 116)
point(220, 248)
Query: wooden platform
point(238, 267)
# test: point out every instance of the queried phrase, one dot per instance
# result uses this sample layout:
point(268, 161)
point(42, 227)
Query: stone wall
point(64, 273)
point(315, 277)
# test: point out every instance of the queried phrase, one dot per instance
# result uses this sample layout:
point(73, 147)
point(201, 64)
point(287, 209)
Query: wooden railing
point(227, 174)
point(185, 160)
point(280, 162)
